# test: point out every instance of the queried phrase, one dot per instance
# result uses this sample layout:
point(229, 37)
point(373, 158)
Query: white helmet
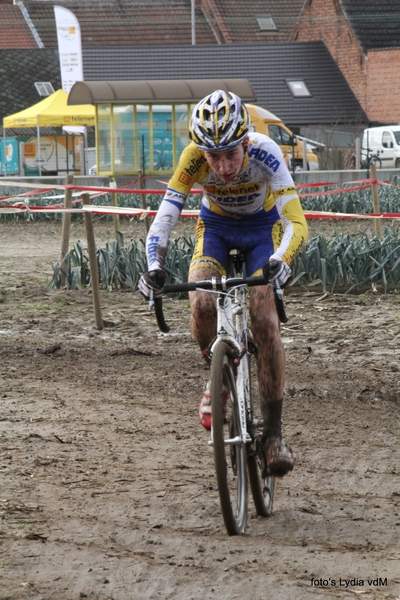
point(219, 121)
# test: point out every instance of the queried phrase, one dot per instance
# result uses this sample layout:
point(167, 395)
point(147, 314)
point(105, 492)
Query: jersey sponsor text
point(265, 157)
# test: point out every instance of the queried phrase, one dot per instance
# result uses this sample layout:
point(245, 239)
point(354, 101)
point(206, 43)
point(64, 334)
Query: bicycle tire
point(262, 488)
point(229, 460)
point(375, 160)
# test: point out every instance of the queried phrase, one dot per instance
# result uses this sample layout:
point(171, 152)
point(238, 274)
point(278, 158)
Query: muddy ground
point(107, 484)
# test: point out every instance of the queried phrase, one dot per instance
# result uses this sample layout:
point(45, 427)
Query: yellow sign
point(29, 150)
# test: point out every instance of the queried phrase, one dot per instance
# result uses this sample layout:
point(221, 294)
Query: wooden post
point(114, 202)
point(141, 186)
point(375, 201)
point(66, 226)
point(94, 275)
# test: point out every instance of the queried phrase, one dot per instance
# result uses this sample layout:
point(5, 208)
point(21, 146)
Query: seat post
point(237, 260)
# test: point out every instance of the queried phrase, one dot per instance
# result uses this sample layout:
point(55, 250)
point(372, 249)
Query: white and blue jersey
point(259, 212)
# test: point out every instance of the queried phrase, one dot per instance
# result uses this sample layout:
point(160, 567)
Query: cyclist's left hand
point(277, 270)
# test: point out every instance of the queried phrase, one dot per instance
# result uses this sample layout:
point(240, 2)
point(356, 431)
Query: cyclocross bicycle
point(236, 433)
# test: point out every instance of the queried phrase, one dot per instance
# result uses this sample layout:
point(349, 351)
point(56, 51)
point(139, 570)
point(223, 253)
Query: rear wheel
point(229, 455)
point(262, 488)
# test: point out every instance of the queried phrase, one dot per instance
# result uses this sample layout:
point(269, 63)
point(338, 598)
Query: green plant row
point(121, 266)
point(356, 202)
point(349, 261)
point(345, 261)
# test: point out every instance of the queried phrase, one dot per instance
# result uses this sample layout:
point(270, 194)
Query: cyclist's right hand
point(277, 270)
point(152, 281)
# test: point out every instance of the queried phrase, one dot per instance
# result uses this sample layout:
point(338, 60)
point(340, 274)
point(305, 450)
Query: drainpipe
point(193, 24)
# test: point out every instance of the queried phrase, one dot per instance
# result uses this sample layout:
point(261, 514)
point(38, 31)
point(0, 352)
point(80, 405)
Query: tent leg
point(38, 150)
point(4, 154)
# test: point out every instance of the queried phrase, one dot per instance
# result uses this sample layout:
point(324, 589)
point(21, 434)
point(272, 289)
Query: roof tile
point(124, 22)
point(376, 24)
point(15, 32)
point(30, 65)
point(240, 19)
point(332, 99)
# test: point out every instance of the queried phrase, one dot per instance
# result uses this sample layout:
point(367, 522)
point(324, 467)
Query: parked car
point(381, 145)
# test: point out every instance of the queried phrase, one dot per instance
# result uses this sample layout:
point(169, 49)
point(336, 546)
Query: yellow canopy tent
point(53, 111)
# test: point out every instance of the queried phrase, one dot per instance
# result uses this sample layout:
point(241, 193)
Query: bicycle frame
point(228, 310)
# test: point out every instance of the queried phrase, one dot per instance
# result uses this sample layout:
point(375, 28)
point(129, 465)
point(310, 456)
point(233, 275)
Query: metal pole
point(115, 202)
point(56, 146)
point(143, 158)
point(66, 227)
point(293, 163)
point(141, 186)
point(4, 153)
point(193, 24)
point(305, 165)
point(84, 156)
point(38, 149)
point(358, 154)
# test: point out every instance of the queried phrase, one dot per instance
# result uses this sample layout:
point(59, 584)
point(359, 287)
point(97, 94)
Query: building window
point(298, 88)
point(44, 88)
point(266, 23)
point(140, 136)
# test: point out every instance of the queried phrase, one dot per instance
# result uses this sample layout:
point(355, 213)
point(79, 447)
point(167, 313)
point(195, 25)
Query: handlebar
point(214, 284)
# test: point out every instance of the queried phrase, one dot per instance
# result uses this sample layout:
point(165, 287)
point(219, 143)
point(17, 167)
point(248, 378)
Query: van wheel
point(397, 163)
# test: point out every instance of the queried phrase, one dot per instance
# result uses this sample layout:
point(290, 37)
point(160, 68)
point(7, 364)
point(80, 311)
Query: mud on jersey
point(263, 182)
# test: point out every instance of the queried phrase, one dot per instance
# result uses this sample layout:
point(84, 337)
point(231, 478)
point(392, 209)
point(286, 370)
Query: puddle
point(287, 340)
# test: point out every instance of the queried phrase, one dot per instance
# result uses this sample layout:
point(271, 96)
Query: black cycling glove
point(277, 270)
point(152, 281)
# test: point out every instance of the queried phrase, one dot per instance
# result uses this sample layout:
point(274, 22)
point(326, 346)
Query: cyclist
point(249, 203)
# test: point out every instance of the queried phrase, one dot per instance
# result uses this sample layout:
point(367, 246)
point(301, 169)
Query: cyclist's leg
point(209, 260)
point(208, 252)
point(271, 354)
point(203, 321)
point(271, 376)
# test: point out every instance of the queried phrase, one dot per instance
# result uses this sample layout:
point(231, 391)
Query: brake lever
point(151, 300)
point(280, 306)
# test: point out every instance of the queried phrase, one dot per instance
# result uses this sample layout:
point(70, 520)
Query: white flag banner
point(69, 47)
point(70, 52)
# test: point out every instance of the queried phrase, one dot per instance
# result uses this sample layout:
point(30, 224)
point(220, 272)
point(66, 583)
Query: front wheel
point(229, 450)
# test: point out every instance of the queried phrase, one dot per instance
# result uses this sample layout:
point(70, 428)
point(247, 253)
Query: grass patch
point(51, 306)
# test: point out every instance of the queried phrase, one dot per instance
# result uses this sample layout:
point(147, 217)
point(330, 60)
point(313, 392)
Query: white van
point(382, 145)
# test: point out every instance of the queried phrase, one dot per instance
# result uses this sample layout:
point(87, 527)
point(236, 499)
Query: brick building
point(363, 37)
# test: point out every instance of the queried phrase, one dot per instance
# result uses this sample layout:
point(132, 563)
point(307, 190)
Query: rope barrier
point(141, 213)
point(98, 191)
